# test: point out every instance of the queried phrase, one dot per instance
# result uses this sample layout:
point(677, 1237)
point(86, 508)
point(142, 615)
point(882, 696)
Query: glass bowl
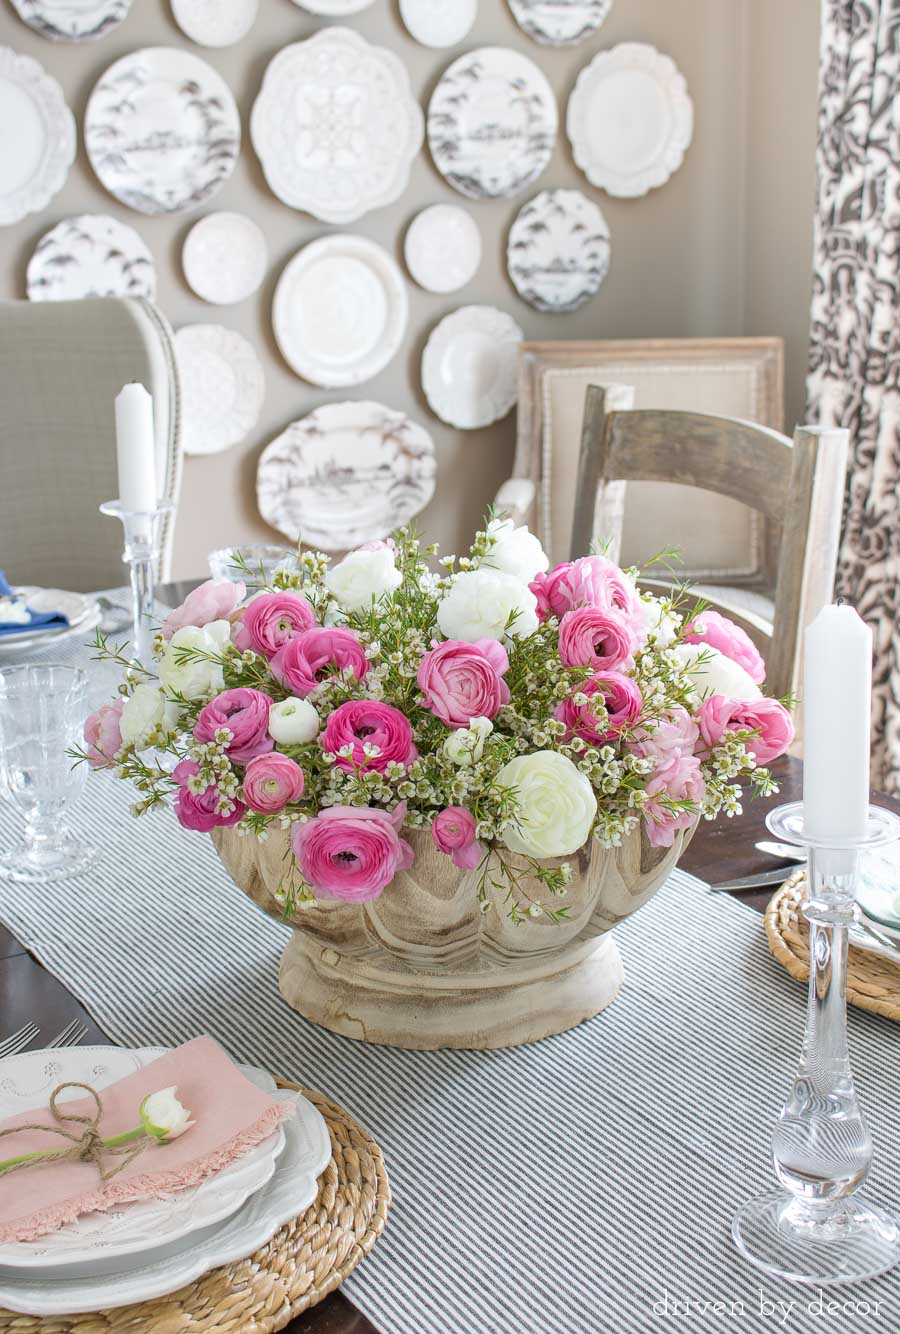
point(262, 559)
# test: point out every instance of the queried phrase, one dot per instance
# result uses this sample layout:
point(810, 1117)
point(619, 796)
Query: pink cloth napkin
point(231, 1116)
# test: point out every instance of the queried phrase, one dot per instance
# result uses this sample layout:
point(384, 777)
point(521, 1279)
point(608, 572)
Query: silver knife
point(776, 876)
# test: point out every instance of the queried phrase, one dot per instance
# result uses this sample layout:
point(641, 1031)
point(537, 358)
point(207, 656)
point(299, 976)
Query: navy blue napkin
point(38, 620)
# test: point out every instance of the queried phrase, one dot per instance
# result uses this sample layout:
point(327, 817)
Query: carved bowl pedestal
point(424, 967)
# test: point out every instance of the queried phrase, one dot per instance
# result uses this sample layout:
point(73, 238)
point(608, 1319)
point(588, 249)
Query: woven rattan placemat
point(873, 982)
point(305, 1260)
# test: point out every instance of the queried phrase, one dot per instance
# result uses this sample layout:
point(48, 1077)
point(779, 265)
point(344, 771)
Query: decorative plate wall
point(558, 251)
point(470, 366)
point(72, 20)
point(442, 248)
point(222, 387)
point(215, 22)
point(90, 255)
point(491, 123)
point(224, 258)
point(162, 130)
point(37, 137)
point(348, 473)
point(630, 119)
point(559, 22)
point(436, 23)
point(336, 126)
point(340, 310)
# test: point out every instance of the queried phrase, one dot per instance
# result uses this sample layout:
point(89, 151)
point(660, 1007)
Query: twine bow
point(88, 1146)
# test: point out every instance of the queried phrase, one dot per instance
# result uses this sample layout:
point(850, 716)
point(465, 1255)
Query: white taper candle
point(136, 449)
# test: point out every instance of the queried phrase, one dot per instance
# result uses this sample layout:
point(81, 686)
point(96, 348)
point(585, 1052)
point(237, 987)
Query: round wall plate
point(225, 258)
point(215, 22)
point(559, 22)
point(222, 387)
point(72, 20)
point(442, 248)
point(90, 255)
point(436, 23)
point(470, 366)
point(36, 157)
point(557, 254)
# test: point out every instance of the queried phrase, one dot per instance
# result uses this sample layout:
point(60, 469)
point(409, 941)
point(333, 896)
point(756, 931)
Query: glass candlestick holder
point(143, 532)
point(814, 1229)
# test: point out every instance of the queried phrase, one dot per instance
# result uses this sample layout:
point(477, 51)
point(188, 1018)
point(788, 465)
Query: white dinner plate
point(340, 310)
point(333, 8)
point(90, 255)
point(215, 22)
point(559, 22)
point(557, 254)
point(82, 611)
point(72, 20)
point(442, 248)
point(470, 366)
point(436, 23)
point(491, 123)
point(630, 119)
point(162, 130)
point(345, 474)
point(224, 258)
point(222, 387)
point(37, 137)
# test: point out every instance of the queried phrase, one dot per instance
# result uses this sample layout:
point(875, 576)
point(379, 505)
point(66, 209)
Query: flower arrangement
point(507, 707)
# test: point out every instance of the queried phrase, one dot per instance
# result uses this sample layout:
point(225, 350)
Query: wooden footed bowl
point(423, 967)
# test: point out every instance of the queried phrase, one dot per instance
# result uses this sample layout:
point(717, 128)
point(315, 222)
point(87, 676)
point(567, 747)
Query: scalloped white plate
point(470, 366)
point(36, 155)
point(72, 20)
point(557, 254)
point(559, 22)
point(222, 387)
point(90, 255)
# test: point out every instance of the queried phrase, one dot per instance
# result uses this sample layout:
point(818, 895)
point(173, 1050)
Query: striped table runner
point(585, 1183)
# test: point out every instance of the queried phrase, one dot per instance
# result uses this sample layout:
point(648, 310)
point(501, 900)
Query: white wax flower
point(198, 677)
point(465, 746)
point(293, 722)
point(662, 624)
point(516, 551)
point(163, 1116)
point(556, 804)
point(480, 603)
point(714, 674)
point(145, 710)
point(363, 576)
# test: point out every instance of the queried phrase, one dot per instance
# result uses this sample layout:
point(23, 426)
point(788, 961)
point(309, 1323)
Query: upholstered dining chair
point(61, 366)
point(798, 485)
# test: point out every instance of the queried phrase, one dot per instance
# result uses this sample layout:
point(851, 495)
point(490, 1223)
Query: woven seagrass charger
point(299, 1266)
point(873, 982)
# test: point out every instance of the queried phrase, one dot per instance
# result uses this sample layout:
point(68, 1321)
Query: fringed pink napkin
point(230, 1117)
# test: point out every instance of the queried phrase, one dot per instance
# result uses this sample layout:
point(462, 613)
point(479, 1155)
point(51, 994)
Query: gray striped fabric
point(585, 1183)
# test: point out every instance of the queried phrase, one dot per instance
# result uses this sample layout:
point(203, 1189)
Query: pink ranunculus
point(463, 681)
point(767, 717)
point(102, 735)
point(717, 631)
point(270, 620)
point(198, 811)
point(668, 739)
point(621, 698)
point(590, 581)
point(313, 655)
point(215, 600)
point(351, 852)
point(368, 720)
point(272, 782)
point(680, 780)
point(595, 637)
point(453, 831)
point(246, 715)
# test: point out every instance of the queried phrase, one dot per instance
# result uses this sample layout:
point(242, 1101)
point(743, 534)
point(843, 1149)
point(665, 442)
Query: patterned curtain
point(854, 378)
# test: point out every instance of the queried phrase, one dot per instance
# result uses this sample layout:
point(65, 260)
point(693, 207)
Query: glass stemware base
point(816, 1244)
point(67, 855)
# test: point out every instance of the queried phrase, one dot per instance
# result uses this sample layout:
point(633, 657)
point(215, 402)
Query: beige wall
point(723, 248)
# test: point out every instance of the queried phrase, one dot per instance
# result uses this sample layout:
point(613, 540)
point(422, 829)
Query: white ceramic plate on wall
point(559, 24)
point(90, 255)
point(436, 23)
point(224, 258)
point(442, 248)
point(557, 254)
point(340, 310)
point(37, 137)
point(215, 22)
point(72, 20)
point(470, 366)
point(222, 387)
point(334, 8)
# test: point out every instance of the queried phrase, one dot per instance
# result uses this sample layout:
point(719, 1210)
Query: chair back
point(62, 363)
point(797, 485)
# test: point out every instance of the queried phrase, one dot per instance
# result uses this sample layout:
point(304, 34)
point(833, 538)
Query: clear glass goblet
point(255, 564)
point(42, 711)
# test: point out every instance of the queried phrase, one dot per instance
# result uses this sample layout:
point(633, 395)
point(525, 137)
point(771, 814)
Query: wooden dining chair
point(798, 485)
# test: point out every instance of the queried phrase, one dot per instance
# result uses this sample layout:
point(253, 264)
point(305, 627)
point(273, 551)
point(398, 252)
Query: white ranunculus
point(146, 710)
point(363, 577)
point(556, 804)
point(163, 1116)
point(197, 677)
point(465, 745)
point(515, 551)
point(716, 674)
point(480, 603)
point(293, 722)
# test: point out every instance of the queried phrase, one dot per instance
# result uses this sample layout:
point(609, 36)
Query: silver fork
point(70, 1036)
point(15, 1043)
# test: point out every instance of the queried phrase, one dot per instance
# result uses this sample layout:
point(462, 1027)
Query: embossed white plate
point(559, 22)
point(37, 137)
point(436, 22)
point(340, 310)
point(491, 123)
point(630, 119)
point(162, 130)
point(99, 1239)
point(83, 613)
point(558, 250)
point(222, 387)
point(442, 248)
point(215, 22)
point(336, 126)
point(224, 258)
point(72, 20)
point(90, 255)
point(345, 474)
point(470, 366)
